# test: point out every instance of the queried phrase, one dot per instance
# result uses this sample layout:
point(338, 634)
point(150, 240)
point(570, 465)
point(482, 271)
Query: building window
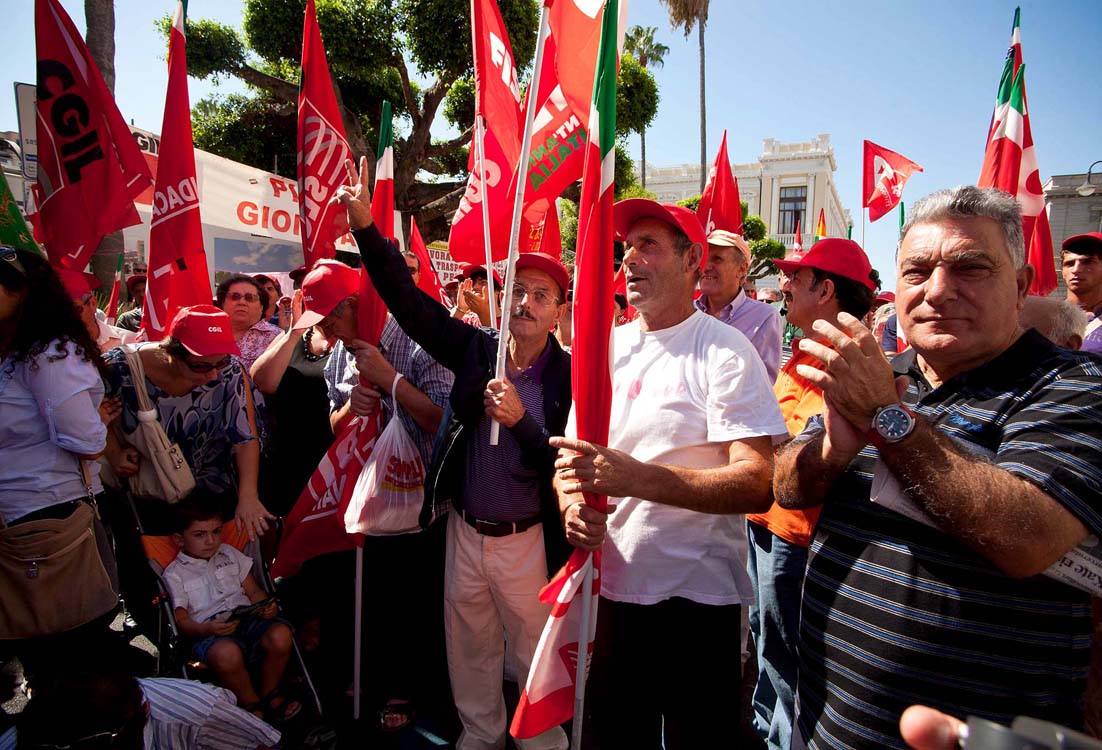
point(793, 204)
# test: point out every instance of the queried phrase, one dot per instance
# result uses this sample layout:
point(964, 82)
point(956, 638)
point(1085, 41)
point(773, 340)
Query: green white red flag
point(1010, 164)
point(177, 261)
point(322, 149)
point(720, 206)
point(382, 198)
point(548, 696)
point(89, 167)
point(116, 287)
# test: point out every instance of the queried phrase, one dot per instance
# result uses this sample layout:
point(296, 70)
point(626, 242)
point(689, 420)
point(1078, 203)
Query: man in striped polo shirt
point(951, 479)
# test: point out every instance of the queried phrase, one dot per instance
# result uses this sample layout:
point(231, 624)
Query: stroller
point(173, 657)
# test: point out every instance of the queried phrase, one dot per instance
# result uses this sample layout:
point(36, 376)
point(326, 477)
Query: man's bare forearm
point(1008, 520)
point(804, 471)
point(739, 487)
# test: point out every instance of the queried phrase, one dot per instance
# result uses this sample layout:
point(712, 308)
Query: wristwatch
point(890, 424)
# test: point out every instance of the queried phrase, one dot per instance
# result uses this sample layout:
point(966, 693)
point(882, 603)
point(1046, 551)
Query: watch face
point(893, 423)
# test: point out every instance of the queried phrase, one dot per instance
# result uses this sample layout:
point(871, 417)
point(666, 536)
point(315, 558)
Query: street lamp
point(1087, 189)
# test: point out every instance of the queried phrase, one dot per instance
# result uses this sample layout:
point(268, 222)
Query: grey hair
point(966, 201)
point(1055, 319)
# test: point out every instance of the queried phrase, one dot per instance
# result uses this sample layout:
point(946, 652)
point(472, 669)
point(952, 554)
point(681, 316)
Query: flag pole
point(901, 217)
point(480, 145)
point(358, 632)
point(585, 627)
point(518, 204)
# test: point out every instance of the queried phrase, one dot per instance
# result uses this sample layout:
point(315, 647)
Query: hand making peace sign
point(355, 196)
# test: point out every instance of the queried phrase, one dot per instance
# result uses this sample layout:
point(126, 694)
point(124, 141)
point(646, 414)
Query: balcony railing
point(789, 240)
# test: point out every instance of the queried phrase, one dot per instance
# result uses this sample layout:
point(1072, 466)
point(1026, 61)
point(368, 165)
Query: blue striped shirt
point(896, 612)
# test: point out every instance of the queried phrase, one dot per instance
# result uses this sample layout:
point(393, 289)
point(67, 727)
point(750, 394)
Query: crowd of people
point(851, 499)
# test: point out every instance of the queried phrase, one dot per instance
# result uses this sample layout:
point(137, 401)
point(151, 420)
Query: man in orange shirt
point(834, 276)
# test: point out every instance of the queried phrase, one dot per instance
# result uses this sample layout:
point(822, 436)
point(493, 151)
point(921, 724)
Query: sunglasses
point(9, 254)
point(205, 367)
point(238, 296)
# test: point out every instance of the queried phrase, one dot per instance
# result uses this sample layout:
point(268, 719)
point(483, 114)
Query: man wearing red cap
point(504, 531)
point(834, 276)
point(1081, 265)
point(131, 320)
point(690, 449)
point(331, 298)
point(951, 478)
point(80, 287)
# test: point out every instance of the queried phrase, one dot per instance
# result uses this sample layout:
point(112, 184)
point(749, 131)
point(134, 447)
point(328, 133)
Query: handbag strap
point(250, 405)
point(137, 375)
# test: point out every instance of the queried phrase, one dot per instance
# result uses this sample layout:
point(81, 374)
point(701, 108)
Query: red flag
point(116, 287)
point(548, 696)
point(720, 206)
point(551, 237)
point(1010, 164)
point(177, 261)
point(430, 281)
point(885, 174)
point(89, 167)
point(322, 148)
point(315, 525)
point(382, 197)
point(497, 103)
point(798, 244)
point(621, 287)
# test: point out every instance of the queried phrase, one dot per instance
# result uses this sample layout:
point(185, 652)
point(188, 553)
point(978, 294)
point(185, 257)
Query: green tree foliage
point(368, 44)
point(765, 251)
point(640, 44)
point(636, 97)
point(753, 228)
point(692, 202)
point(568, 229)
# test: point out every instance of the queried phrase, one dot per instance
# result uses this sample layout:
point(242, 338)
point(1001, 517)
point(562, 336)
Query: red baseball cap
point(132, 280)
point(834, 255)
point(467, 270)
point(549, 265)
point(77, 283)
point(627, 212)
point(1089, 243)
point(326, 286)
point(204, 330)
point(885, 297)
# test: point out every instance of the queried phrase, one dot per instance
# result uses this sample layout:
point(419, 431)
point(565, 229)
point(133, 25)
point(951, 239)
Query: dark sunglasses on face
point(9, 254)
point(205, 367)
point(238, 296)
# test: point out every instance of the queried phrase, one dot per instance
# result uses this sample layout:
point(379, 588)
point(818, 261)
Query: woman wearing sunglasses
point(200, 394)
point(245, 299)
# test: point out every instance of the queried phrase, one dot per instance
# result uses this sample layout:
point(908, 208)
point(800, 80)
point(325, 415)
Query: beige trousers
point(491, 587)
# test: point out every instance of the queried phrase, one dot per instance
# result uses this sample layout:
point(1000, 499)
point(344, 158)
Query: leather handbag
point(163, 472)
point(53, 575)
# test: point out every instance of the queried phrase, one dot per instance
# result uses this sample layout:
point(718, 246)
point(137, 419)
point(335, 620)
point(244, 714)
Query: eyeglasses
point(540, 296)
point(204, 367)
point(9, 254)
point(334, 315)
point(247, 296)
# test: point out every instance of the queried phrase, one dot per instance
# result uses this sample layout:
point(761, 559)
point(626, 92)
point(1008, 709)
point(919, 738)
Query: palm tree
point(100, 38)
point(639, 42)
point(685, 14)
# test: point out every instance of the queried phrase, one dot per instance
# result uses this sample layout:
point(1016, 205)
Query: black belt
point(498, 528)
point(56, 512)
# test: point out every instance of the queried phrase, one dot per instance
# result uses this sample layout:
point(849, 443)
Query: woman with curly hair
point(51, 427)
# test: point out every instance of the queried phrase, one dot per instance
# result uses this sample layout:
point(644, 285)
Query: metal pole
point(518, 204)
point(358, 628)
point(589, 611)
point(480, 147)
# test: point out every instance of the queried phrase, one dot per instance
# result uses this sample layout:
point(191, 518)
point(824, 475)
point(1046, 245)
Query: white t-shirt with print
point(206, 587)
point(679, 395)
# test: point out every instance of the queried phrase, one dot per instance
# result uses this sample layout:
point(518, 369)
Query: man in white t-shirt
point(690, 450)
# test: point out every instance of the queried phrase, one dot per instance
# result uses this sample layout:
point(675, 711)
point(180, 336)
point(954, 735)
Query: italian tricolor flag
point(113, 303)
point(821, 227)
point(548, 696)
point(382, 200)
point(1010, 164)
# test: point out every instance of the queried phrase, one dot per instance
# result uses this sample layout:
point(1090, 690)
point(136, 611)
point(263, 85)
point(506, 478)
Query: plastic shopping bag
point(389, 492)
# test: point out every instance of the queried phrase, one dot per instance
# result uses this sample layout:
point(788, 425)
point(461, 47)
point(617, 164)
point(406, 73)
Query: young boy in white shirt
point(206, 582)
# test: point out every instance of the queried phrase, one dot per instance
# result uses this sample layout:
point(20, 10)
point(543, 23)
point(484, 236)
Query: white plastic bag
point(389, 492)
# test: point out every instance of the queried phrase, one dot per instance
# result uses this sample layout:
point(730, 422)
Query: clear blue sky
point(916, 78)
